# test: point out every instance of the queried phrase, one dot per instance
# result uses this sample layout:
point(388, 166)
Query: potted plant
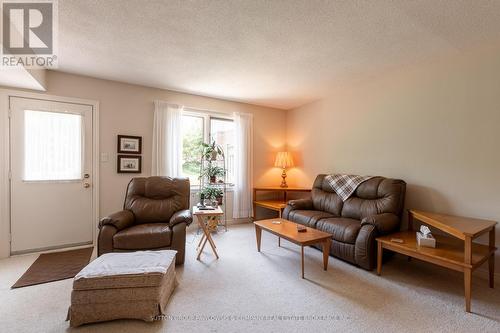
point(212, 172)
point(211, 151)
point(212, 193)
point(219, 196)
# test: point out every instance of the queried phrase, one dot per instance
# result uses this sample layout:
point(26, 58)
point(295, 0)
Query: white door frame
point(5, 96)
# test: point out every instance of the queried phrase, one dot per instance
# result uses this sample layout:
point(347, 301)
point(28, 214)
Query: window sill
point(196, 188)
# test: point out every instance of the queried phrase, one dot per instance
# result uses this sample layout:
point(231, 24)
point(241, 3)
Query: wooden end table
point(276, 205)
point(288, 230)
point(458, 253)
point(200, 216)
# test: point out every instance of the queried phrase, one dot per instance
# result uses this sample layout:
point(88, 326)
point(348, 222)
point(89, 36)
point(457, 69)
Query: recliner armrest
point(181, 216)
point(301, 204)
point(120, 220)
point(384, 223)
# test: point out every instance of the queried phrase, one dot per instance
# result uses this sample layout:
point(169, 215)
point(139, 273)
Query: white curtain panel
point(52, 146)
point(243, 168)
point(167, 141)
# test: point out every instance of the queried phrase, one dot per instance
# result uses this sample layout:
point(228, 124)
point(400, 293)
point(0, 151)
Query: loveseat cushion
point(375, 196)
point(325, 200)
point(143, 236)
point(308, 218)
point(342, 229)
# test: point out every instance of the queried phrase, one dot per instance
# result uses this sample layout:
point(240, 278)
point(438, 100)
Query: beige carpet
point(260, 292)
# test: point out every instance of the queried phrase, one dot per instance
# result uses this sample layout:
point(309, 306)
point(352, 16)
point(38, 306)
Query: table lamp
point(283, 160)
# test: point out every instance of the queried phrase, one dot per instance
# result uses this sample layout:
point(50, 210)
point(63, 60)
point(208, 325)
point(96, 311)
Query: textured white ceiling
point(279, 53)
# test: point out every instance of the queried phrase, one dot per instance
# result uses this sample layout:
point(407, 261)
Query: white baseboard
point(194, 225)
point(52, 250)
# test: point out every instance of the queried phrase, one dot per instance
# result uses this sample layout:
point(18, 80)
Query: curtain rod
point(207, 110)
point(229, 113)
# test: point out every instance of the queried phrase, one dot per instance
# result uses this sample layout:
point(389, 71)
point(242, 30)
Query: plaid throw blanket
point(345, 185)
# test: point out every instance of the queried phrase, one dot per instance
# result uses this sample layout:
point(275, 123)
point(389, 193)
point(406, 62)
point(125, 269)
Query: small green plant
point(212, 172)
point(211, 151)
point(211, 193)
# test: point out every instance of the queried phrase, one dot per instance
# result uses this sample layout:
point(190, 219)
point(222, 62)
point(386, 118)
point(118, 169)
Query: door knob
point(86, 185)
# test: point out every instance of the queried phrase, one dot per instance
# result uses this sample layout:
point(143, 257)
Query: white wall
point(128, 109)
point(436, 126)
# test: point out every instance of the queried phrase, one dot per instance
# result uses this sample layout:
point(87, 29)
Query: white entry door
point(51, 179)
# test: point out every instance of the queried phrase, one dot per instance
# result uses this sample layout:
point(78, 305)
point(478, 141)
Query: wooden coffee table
point(288, 230)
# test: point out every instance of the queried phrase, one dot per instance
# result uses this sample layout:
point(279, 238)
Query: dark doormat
point(55, 266)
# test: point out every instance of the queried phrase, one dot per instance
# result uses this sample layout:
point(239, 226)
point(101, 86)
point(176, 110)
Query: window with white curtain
point(192, 137)
point(222, 132)
point(198, 127)
point(52, 146)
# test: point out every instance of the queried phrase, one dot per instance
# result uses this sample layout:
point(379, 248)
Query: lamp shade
point(283, 160)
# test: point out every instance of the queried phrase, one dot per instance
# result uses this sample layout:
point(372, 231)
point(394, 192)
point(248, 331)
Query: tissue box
point(425, 241)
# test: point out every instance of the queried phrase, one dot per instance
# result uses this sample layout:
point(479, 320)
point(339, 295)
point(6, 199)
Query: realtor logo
point(29, 33)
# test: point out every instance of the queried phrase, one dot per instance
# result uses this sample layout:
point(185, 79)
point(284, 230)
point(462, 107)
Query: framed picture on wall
point(128, 144)
point(129, 164)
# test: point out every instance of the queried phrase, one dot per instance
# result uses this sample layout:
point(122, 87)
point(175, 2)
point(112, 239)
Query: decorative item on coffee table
point(213, 183)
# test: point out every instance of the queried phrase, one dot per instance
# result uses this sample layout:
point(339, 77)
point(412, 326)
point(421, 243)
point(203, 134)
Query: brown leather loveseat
point(374, 209)
point(154, 217)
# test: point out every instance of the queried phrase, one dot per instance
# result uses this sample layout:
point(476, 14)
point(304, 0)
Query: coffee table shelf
point(449, 252)
point(455, 251)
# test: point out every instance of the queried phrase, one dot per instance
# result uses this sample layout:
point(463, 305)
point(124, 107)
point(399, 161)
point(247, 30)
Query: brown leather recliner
point(374, 209)
point(154, 217)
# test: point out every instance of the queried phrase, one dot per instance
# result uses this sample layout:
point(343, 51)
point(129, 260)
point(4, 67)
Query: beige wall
point(128, 109)
point(437, 126)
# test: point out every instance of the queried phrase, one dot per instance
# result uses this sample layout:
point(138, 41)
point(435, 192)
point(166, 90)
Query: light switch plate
point(104, 157)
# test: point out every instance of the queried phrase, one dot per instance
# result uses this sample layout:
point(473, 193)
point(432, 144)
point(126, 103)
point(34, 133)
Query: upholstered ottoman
point(133, 285)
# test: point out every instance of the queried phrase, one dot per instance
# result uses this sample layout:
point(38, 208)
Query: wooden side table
point(200, 216)
point(457, 252)
point(276, 205)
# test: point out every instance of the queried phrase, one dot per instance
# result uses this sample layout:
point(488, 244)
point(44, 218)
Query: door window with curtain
point(199, 127)
point(52, 146)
